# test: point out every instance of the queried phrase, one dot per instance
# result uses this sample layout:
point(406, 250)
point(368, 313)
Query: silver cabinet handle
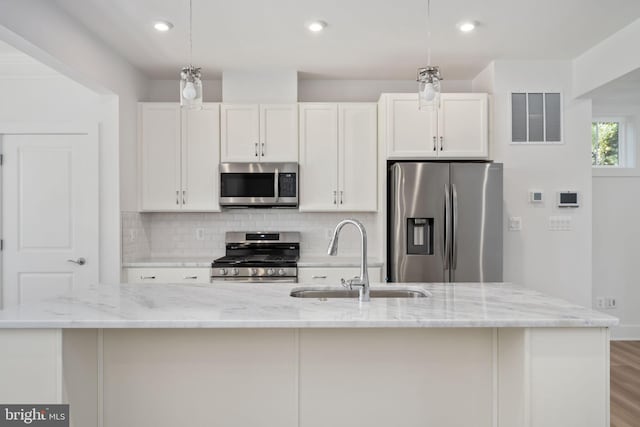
point(441, 143)
point(434, 143)
point(335, 197)
point(147, 277)
point(276, 184)
point(184, 197)
point(177, 197)
point(341, 197)
point(190, 277)
point(79, 261)
point(256, 148)
point(262, 150)
point(318, 277)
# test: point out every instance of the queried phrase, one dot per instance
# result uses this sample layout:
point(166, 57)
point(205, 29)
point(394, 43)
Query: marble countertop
point(204, 262)
point(242, 305)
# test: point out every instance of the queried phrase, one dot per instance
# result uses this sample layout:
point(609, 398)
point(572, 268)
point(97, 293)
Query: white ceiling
point(365, 39)
point(623, 91)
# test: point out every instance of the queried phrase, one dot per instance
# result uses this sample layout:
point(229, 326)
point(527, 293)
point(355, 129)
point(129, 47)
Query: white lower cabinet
point(168, 275)
point(331, 276)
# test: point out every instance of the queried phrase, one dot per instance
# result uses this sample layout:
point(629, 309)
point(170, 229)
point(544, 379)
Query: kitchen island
point(251, 355)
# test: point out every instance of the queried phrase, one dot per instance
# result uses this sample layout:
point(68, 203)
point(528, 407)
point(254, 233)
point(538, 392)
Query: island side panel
point(553, 377)
point(397, 377)
point(31, 366)
point(82, 366)
point(198, 377)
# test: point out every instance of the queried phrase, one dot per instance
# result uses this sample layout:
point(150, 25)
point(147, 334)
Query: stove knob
point(235, 271)
point(254, 271)
point(281, 272)
point(271, 272)
point(223, 271)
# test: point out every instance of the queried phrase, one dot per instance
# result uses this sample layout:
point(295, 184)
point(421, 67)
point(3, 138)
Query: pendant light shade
point(190, 87)
point(429, 87)
point(429, 77)
point(190, 77)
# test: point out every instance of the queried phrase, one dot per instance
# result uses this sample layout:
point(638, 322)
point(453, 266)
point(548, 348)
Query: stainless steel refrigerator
point(444, 222)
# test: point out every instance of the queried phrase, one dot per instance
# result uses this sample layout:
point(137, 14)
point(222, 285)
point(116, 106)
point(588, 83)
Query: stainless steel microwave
point(256, 185)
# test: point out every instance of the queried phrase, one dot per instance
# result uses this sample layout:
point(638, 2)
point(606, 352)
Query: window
point(607, 142)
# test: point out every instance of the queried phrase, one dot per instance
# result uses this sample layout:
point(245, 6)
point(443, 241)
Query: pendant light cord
point(191, 33)
point(428, 32)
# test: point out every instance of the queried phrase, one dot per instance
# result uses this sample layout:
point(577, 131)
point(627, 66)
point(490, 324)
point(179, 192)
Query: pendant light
point(429, 77)
point(190, 77)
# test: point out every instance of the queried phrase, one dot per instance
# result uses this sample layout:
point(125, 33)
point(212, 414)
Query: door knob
point(79, 261)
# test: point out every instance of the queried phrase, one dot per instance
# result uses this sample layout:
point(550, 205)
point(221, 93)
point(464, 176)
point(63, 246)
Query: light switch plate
point(560, 223)
point(515, 223)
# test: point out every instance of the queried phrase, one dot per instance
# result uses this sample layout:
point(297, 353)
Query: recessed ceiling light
point(467, 26)
point(317, 26)
point(162, 26)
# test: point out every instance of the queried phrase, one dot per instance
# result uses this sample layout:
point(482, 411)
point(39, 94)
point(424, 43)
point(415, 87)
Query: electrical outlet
point(515, 223)
point(600, 302)
point(132, 235)
point(199, 233)
point(328, 233)
point(610, 302)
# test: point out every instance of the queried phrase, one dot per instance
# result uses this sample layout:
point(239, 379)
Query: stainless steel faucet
point(361, 282)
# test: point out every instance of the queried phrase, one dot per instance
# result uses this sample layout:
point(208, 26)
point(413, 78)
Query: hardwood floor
point(625, 383)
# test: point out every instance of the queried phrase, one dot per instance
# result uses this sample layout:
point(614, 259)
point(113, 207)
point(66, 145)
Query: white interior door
point(49, 215)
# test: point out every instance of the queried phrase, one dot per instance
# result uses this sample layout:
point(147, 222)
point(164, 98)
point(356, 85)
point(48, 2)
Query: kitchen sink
point(376, 292)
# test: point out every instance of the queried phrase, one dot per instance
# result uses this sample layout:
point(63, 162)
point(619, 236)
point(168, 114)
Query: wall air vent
point(536, 118)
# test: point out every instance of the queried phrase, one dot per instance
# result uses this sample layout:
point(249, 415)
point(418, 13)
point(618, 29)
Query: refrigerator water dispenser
point(420, 236)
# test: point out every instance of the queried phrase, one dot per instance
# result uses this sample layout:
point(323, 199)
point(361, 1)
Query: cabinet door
point(330, 276)
point(463, 125)
point(279, 133)
point(318, 157)
point(200, 158)
point(159, 139)
point(240, 132)
point(409, 131)
point(357, 157)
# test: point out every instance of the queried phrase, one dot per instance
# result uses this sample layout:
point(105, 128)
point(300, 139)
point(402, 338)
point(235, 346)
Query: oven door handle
point(276, 184)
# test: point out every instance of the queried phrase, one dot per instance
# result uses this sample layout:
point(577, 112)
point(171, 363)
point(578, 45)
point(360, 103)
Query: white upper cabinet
point(179, 155)
point(200, 158)
point(463, 125)
point(318, 157)
point(159, 139)
point(357, 157)
point(338, 157)
point(240, 132)
point(259, 133)
point(458, 129)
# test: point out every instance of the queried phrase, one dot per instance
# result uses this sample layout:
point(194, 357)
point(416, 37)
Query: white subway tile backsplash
point(174, 234)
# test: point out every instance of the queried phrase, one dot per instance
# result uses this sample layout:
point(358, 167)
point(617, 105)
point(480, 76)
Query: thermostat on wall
point(536, 196)
point(568, 199)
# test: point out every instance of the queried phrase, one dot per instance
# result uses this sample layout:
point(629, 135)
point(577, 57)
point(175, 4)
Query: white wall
point(550, 261)
point(40, 29)
point(616, 204)
point(310, 90)
point(610, 59)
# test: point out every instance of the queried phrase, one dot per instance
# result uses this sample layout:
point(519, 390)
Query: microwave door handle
point(276, 184)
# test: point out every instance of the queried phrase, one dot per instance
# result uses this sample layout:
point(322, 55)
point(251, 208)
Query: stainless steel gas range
point(258, 257)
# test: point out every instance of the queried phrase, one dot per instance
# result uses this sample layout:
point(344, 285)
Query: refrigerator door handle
point(454, 237)
point(447, 227)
